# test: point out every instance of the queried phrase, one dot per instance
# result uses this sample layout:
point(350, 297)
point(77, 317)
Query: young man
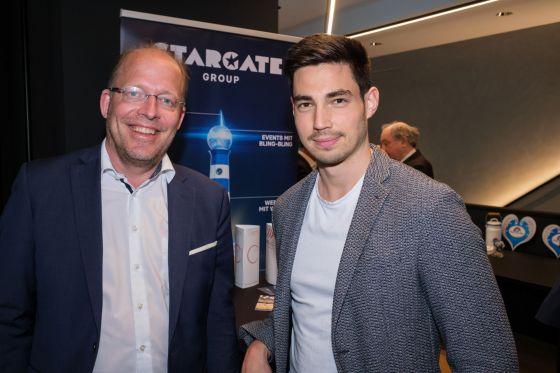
point(113, 259)
point(377, 264)
point(399, 140)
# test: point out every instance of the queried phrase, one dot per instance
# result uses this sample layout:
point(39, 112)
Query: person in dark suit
point(399, 141)
point(377, 263)
point(305, 163)
point(114, 259)
point(549, 311)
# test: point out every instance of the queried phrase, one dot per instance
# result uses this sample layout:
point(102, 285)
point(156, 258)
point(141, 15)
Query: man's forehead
point(386, 134)
point(336, 70)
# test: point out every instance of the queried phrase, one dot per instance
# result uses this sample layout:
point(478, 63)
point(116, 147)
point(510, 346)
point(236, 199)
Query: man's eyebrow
point(301, 98)
point(339, 92)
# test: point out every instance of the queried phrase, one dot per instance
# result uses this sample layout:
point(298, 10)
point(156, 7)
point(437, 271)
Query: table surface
point(528, 268)
point(244, 301)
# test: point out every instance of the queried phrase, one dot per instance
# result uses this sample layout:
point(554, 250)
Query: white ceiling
point(302, 17)
point(293, 13)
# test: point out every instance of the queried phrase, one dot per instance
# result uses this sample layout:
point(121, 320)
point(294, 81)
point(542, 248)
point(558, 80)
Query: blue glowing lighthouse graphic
point(219, 141)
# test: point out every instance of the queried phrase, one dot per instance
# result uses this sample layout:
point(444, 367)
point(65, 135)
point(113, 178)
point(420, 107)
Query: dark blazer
point(414, 272)
point(51, 270)
point(549, 311)
point(419, 162)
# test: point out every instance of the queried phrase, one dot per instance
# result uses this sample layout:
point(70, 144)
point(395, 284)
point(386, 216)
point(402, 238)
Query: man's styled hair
point(323, 48)
point(150, 46)
point(403, 131)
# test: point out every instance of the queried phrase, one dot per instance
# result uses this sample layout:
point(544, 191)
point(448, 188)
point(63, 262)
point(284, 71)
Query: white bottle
point(493, 233)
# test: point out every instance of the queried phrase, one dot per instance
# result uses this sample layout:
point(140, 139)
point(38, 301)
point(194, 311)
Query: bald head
point(149, 50)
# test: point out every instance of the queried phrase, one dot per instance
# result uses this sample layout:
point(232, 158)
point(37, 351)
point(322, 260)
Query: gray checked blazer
point(413, 275)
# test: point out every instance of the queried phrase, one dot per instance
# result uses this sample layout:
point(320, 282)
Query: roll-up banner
point(238, 128)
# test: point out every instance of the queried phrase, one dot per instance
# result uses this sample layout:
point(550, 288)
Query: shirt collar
point(165, 166)
point(410, 153)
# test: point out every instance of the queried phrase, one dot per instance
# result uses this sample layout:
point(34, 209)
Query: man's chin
point(329, 161)
point(141, 159)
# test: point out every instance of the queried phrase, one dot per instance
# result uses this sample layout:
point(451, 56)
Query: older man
point(399, 141)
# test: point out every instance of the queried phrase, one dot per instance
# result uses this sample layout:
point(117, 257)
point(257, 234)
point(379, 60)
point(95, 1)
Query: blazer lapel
point(181, 206)
point(85, 178)
point(371, 199)
point(289, 229)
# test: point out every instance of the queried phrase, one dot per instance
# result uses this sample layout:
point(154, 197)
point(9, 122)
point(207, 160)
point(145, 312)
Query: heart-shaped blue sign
point(517, 232)
point(551, 238)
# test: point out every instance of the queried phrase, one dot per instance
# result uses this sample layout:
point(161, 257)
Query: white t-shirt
point(323, 234)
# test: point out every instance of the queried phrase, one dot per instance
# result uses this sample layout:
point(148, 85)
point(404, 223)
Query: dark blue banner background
point(253, 105)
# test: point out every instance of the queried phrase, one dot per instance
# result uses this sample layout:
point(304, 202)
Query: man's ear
point(104, 102)
point(371, 99)
point(183, 112)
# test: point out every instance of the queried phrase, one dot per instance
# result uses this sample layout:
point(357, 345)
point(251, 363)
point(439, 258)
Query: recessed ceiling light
point(503, 14)
point(422, 18)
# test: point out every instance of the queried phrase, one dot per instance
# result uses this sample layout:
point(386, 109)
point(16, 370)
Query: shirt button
point(134, 228)
point(137, 267)
point(142, 348)
point(140, 305)
point(94, 347)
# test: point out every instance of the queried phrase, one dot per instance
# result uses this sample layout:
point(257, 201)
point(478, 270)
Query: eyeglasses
point(137, 95)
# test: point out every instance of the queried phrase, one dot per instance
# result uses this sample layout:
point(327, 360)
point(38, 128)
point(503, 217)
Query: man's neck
point(336, 181)
point(135, 174)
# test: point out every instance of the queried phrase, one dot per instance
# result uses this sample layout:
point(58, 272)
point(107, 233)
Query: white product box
point(271, 264)
point(247, 246)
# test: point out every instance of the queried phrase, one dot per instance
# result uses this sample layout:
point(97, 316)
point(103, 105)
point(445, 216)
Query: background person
point(114, 259)
point(399, 141)
point(305, 163)
point(549, 311)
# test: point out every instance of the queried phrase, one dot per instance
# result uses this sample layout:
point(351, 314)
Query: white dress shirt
point(408, 155)
point(135, 314)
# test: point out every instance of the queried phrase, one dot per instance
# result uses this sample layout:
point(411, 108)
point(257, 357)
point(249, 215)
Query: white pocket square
point(203, 248)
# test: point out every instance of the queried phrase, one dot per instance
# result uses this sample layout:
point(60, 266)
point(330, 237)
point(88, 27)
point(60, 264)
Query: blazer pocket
point(202, 248)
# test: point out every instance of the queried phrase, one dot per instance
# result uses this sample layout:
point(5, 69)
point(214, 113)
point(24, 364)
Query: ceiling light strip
point(330, 16)
point(422, 18)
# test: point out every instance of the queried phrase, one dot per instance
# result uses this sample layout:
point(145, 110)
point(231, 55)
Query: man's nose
point(149, 107)
point(322, 118)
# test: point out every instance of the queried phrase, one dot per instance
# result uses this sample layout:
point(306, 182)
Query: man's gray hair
point(403, 131)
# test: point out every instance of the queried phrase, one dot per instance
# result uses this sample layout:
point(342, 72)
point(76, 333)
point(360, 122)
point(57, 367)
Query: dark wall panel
point(487, 110)
point(13, 141)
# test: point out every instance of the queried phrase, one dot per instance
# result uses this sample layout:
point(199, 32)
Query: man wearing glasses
point(114, 259)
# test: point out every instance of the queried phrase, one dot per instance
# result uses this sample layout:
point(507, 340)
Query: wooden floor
point(443, 363)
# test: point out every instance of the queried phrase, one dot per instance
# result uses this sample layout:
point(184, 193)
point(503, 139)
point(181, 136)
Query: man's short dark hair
point(323, 48)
